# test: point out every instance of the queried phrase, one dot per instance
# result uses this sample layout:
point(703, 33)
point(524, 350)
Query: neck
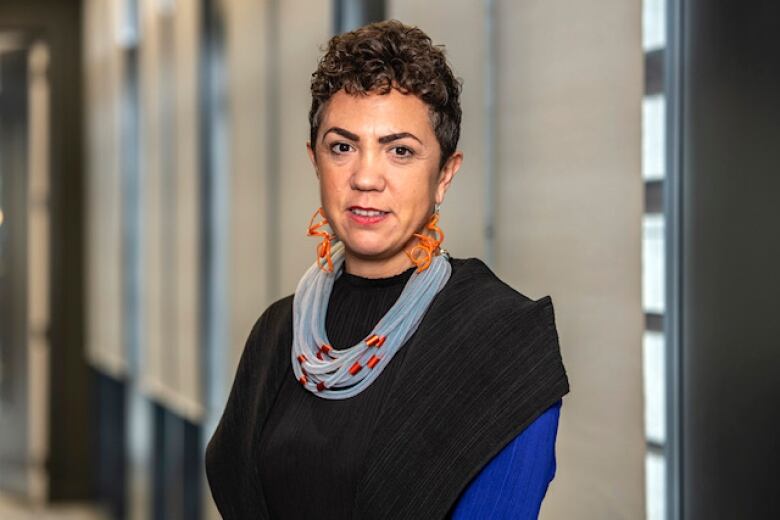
point(376, 268)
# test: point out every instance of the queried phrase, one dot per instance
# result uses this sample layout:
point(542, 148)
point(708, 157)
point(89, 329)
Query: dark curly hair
point(385, 55)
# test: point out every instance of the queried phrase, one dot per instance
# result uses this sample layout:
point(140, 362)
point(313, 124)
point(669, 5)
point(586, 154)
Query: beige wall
point(305, 26)
point(170, 272)
point(170, 206)
point(272, 188)
point(571, 187)
point(568, 193)
point(461, 30)
point(270, 169)
point(568, 212)
point(568, 198)
point(103, 75)
point(248, 193)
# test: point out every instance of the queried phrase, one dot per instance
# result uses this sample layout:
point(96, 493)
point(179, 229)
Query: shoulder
point(489, 298)
point(279, 313)
point(475, 277)
point(275, 315)
point(274, 322)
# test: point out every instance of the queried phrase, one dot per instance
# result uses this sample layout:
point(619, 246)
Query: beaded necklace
point(340, 374)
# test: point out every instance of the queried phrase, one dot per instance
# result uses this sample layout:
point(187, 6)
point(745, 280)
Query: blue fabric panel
point(513, 484)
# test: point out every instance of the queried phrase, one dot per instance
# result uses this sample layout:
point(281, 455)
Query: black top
point(313, 447)
point(482, 366)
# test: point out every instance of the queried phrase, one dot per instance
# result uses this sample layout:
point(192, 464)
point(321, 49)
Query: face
point(377, 160)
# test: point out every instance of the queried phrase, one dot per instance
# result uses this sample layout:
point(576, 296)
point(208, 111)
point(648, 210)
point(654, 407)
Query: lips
point(367, 212)
point(367, 216)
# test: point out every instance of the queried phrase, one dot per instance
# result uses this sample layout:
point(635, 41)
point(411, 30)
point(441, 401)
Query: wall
point(568, 206)
point(463, 213)
point(557, 212)
point(273, 189)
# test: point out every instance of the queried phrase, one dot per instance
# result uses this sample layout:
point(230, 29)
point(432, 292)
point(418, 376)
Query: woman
point(396, 382)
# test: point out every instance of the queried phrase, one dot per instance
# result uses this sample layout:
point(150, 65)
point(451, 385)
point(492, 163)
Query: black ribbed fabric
point(483, 365)
point(312, 447)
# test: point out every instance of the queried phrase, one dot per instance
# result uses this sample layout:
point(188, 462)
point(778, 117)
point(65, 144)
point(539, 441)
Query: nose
point(369, 173)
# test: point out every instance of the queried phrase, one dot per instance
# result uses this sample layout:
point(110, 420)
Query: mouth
point(367, 216)
point(367, 212)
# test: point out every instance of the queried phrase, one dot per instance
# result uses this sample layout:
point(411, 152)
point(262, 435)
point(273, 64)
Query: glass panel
point(653, 137)
point(653, 264)
point(653, 24)
point(216, 198)
point(128, 24)
point(654, 388)
point(655, 486)
point(653, 257)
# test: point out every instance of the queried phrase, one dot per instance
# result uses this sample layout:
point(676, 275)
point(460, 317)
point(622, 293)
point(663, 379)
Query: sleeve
point(513, 484)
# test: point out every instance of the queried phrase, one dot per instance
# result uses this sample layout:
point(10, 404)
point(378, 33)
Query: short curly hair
point(382, 56)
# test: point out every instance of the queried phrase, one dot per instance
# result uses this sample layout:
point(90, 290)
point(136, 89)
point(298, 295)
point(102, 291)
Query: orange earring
point(422, 254)
point(324, 260)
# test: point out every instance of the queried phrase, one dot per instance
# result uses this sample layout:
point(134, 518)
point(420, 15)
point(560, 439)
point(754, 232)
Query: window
point(655, 378)
point(351, 14)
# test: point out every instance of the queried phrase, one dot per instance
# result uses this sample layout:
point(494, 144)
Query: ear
point(446, 175)
point(312, 158)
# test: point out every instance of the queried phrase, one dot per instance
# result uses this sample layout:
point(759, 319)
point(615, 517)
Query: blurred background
point(620, 155)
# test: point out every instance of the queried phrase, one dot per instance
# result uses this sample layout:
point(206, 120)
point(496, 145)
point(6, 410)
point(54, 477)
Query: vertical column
point(730, 185)
point(38, 241)
point(103, 79)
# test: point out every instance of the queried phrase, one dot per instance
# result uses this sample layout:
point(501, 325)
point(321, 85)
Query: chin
point(366, 251)
point(367, 248)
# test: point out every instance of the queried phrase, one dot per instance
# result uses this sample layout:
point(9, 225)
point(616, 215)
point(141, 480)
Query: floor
point(12, 509)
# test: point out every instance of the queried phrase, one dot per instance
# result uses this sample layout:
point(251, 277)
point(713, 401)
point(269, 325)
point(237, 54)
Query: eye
point(402, 151)
point(341, 148)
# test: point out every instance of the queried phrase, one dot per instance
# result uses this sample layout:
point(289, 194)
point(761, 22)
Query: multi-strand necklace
point(342, 373)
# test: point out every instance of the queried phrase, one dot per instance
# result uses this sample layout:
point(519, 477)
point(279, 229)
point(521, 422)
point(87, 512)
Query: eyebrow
point(382, 140)
point(341, 132)
point(394, 137)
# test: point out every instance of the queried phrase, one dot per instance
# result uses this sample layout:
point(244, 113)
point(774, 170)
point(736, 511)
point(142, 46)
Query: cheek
point(325, 190)
point(416, 199)
point(332, 198)
point(329, 185)
point(425, 188)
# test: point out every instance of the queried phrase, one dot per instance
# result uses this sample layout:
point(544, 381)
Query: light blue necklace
point(340, 374)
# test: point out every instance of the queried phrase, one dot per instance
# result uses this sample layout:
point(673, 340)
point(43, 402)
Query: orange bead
point(381, 341)
point(302, 358)
point(303, 379)
point(354, 369)
point(320, 386)
point(372, 362)
point(372, 340)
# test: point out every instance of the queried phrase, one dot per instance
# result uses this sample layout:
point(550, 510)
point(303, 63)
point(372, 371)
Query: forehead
point(379, 114)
